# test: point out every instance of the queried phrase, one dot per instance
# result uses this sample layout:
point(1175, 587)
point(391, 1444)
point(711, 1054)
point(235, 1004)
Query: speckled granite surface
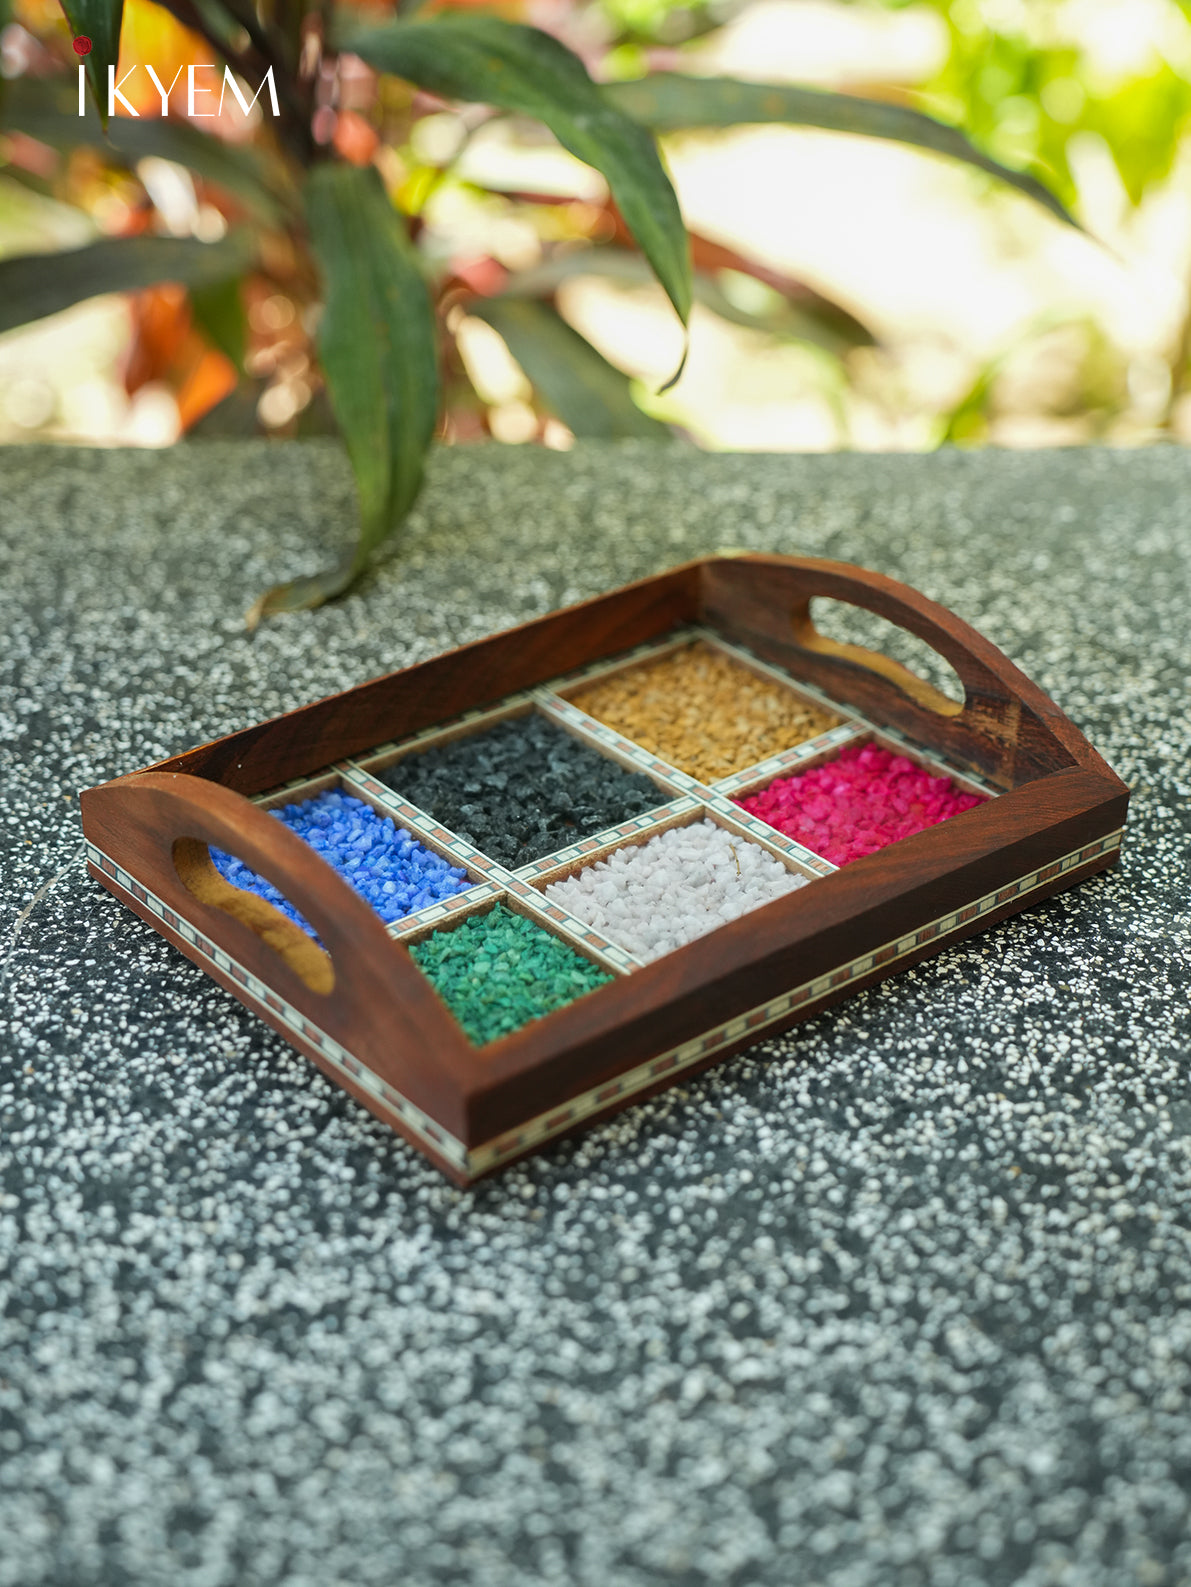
point(903, 1299)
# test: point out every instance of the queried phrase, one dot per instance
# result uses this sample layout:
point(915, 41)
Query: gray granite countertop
point(900, 1300)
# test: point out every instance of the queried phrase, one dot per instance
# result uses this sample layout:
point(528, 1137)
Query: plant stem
point(296, 110)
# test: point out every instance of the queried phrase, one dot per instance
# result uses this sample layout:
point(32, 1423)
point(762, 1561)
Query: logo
point(194, 89)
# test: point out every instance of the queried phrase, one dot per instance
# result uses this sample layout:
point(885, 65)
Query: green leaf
point(26, 179)
point(813, 319)
point(98, 20)
point(219, 313)
point(520, 69)
point(212, 20)
point(34, 285)
point(43, 112)
point(669, 102)
point(377, 347)
point(588, 394)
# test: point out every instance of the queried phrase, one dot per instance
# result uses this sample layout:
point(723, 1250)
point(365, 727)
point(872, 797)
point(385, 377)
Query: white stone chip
point(654, 897)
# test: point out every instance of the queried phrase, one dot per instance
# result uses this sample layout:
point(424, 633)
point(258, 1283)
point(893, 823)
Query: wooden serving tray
point(356, 1003)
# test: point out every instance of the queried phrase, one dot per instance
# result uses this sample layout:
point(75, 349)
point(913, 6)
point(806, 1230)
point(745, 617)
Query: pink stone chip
point(857, 803)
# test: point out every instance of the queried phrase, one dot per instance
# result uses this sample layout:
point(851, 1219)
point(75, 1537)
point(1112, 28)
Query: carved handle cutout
point(197, 873)
point(945, 696)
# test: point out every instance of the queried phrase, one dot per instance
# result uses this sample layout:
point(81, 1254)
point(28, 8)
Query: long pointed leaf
point(812, 319)
point(588, 394)
point(377, 347)
point(34, 285)
point(520, 69)
point(51, 117)
point(218, 311)
point(669, 102)
point(98, 20)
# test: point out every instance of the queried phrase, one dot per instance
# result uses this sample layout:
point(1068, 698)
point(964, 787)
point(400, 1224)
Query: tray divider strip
point(607, 738)
point(560, 921)
point(502, 881)
point(788, 762)
point(615, 746)
point(609, 741)
point(422, 824)
point(587, 850)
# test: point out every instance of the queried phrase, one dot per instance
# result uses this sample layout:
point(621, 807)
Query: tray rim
point(470, 1101)
point(472, 1162)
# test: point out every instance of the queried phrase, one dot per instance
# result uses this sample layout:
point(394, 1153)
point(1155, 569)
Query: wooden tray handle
point(766, 598)
point(309, 962)
point(809, 637)
point(356, 985)
point(179, 816)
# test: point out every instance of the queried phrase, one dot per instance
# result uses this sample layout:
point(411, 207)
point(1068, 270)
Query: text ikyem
point(193, 91)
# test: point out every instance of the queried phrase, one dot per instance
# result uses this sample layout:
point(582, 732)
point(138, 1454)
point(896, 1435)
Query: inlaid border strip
point(537, 1131)
point(423, 825)
point(755, 1021)
point(769, 836)
point(788, 761)
point(337, 1057)
point(616, 746)
point(553, 917)
point(610, 837)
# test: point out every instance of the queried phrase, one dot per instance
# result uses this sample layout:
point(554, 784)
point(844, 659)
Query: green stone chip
point(497, 971)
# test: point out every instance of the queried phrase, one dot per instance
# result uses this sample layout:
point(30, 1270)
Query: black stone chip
point(522, 789)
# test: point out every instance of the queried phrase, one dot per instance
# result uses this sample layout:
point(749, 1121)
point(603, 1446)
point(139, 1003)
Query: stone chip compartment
point(521, 789)
point(385, 863)
point(703, 712)
point(498, 970)
point(861, 800)
point(656, 896)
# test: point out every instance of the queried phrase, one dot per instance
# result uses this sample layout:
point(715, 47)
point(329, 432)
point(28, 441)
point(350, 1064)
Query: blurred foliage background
point(850, 293)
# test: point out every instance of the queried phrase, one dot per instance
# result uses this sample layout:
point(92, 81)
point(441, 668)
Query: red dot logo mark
point(82, 45)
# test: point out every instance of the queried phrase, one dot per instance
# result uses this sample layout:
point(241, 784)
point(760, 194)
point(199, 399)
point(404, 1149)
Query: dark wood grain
point(790, 1021)
point(307, 1047)
point(402, 703)
point(368, 995)
point(1007, 728)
